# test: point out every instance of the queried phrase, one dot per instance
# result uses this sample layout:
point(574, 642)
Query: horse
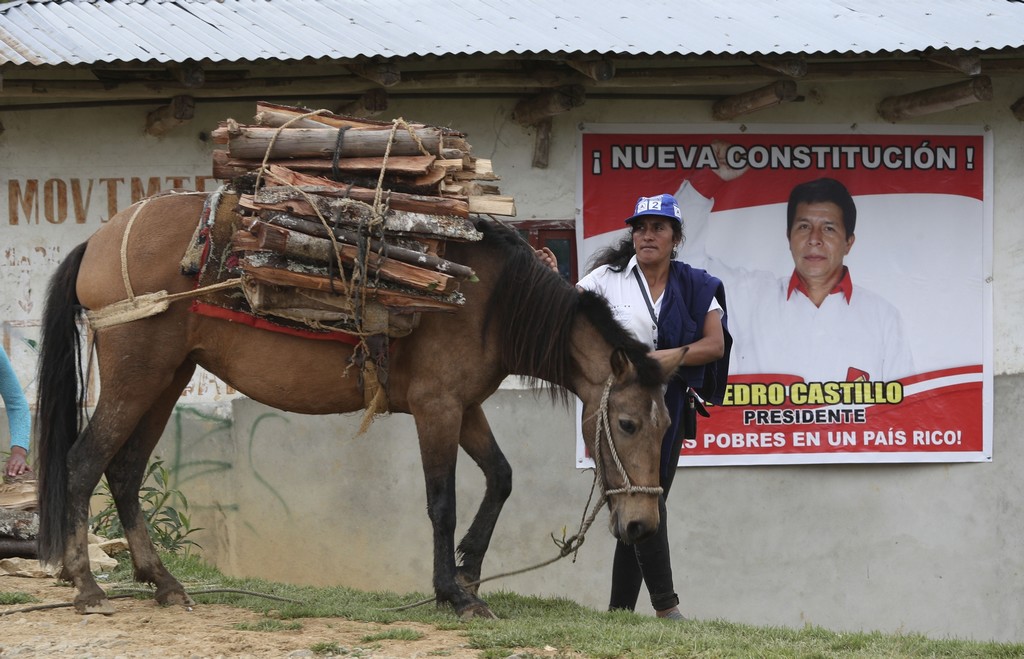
point(518, 318)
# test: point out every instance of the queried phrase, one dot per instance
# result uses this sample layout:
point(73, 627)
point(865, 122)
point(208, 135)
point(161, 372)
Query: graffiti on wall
point(74, 200)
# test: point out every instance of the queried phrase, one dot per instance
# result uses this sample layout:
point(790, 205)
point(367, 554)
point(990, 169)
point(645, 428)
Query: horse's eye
point(628, 426)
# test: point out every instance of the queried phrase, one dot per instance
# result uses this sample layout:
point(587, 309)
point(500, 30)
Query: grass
point(16, 598)
point(268, 625)
point(533, 622)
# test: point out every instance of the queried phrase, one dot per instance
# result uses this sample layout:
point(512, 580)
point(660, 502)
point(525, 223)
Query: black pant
point(650, 561)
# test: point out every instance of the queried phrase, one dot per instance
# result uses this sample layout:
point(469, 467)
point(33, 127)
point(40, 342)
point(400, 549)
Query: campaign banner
point(895, 363)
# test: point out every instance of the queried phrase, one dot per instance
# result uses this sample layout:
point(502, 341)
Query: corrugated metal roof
point(39, 32)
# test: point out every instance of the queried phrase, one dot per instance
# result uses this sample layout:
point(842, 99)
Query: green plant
point(268, 625)
point(16, 598)
point(164, 508)
point(327, 648)
point(400, 634)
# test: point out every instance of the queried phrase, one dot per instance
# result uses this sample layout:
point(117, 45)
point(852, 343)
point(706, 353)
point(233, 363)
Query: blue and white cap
point(663, 205)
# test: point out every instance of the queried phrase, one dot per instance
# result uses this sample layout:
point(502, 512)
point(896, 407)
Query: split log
point(294, 244)
point(294, 303)
point(428, 204)
point(274, 115)
point(419, 259)
point(226, 167)
point(388, 297)
point(254, 142)
point(291, 302)
point(354, 213)
point(492, 205)
point(18, 524)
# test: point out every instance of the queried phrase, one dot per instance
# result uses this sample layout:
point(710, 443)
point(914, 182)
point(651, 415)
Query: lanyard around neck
point(650, 306)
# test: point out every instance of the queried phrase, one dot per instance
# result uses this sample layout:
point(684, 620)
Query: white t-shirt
point(622, 290)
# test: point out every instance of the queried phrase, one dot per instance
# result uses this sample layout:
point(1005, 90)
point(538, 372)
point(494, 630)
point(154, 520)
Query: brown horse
point(520, 318)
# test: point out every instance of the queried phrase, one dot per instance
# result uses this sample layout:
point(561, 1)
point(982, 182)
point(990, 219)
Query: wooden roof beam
point(966, 63)
point(534, 109)
point(190, 74)
point(537, 111)
point(595, 69)
point(936, 99)
point(385, 74)
point(778, 92)
point(794, 67)
point(166, 118)
point(371, 103)
point(1018, 109)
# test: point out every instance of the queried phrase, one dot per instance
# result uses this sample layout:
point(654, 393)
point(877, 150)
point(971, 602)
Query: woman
point(679, 312)
point(18, 418)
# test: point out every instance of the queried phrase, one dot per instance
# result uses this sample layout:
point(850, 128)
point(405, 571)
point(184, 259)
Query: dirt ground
point(140, 628)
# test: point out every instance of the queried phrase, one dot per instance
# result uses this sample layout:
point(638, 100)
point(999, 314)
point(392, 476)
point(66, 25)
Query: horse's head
point(623, 428)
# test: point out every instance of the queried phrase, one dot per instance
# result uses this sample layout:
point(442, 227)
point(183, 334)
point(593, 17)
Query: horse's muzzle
point(634, 530)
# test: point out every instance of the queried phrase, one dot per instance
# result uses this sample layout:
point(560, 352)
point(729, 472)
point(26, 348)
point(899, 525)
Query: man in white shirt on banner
point(815, 324)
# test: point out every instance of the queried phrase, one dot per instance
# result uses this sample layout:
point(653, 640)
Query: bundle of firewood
point(337, 210)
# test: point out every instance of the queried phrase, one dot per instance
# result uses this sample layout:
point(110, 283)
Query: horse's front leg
point(438, 421)
point(125, 475)
point(478, 442)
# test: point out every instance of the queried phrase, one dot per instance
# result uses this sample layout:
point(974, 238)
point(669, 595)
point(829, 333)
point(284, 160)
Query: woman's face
point(654, 239)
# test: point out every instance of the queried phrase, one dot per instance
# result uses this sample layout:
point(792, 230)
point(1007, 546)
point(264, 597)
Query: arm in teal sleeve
point(18, 415)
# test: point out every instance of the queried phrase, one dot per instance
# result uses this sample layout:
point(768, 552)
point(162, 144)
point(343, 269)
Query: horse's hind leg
point(124, 476)
point(478, 442)
point(108, 429)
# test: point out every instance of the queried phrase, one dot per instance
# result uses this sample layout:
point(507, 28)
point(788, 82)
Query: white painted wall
point(913, 548)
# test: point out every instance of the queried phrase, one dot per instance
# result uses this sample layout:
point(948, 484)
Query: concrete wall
point(914, 548)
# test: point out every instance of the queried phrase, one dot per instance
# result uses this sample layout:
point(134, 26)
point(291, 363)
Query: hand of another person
point(548, 258)
point(724, 171)
point(16, 464)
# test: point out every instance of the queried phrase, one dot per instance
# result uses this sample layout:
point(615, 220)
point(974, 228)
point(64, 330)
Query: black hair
point(819, 191)
point(617, 256)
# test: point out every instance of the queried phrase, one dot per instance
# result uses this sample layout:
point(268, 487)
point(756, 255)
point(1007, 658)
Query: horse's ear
point(622, 368)
point(670, 361)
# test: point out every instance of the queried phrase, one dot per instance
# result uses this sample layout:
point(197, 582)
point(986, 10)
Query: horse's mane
point(534, 310)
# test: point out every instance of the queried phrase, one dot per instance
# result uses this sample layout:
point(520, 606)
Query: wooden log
point(937, 99)
point(542, 143)
point(534, 109)
point(165, 118)
point(420, 259)
point(492, 205)
point(756, 99)
point(225, 167)
point(301, 246)
point(274, 115)
point(353, 213)
point(312, 202)
point(385, 74)
point(388, 297)
point(431, 205)
point(255, 141)
point(596, 69)
point(18, 524)
point(11, 548)
point(293, 302)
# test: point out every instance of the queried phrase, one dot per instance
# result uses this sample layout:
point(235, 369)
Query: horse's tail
point(59, 404)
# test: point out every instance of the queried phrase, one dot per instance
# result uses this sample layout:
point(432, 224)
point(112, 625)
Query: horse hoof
point(480, 610)
point(101, 607)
